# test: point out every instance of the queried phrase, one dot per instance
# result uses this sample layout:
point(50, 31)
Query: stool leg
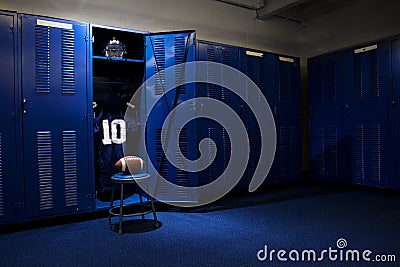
point(111, 204)
point(121, 204)
point(141, 203)
point(152, 206)
point(154, 211)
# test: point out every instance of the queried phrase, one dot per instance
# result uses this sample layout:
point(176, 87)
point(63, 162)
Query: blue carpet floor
point(229, 232)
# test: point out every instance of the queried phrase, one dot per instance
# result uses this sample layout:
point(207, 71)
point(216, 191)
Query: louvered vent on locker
point(225, 93)
point(366, 74)
point(375, 148)
point(211, 89)
point(227, 147)
point(331, 151)
point(68, 61)
point(159, 54)
point(253, 161)
point(286, 150)
point(285, 80)
point(70, 168)
point(318, 81)
point(1, 179)
point(331, 93)
point(180, 47)
point(162, 187)
point(213, 168)
point(42, 58)
point(182, 177)
point(359, 152)
point(45, 170)
point(320, 157)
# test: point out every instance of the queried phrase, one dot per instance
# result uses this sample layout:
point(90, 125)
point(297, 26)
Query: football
point(130, 164)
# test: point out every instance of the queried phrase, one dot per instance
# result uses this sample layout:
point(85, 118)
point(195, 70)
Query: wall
point(360, 22)
point(212, 20)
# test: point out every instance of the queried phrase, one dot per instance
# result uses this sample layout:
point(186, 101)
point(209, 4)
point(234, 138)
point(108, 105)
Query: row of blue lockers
point(56, 80)
point(354, 115)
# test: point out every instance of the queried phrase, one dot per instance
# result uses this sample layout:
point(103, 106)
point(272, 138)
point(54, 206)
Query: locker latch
point(393, 103)
point(24, 105)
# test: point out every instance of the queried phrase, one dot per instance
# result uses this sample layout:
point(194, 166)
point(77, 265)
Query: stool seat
point(129, 178)
point(123, 178)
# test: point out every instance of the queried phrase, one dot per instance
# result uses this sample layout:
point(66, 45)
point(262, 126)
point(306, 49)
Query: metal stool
point(122, 178)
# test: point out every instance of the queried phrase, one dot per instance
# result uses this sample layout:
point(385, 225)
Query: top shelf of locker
point(119, 59)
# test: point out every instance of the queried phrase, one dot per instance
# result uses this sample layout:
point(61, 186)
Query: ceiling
point(296, 10)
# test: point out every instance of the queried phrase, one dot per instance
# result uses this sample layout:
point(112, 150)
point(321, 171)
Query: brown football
point(130, 164)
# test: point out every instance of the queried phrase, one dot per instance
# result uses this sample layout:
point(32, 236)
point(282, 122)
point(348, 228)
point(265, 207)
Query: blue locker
point(55, 122)
point(351, 120)
point(11, 198)
point(114, 82)
point(395, 62)
point(228, 55)
point(369, 116)
point(256, 66)
point(278, 77)
point(287, 109)
point(164, 50)
point(328, 139)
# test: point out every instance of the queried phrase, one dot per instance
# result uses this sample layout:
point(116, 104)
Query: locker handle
point(347, 108)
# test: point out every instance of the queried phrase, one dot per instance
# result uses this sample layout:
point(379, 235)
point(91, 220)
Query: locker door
point(395, 47)
point(286, 77)
point(328, 85)
point(227, 55)
point(256, 65)
point(55, 125)
point(162, 51)
point(369, 120)
point(10, 179)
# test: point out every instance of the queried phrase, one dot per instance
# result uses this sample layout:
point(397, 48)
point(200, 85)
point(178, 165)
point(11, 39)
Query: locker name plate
point(54, 24)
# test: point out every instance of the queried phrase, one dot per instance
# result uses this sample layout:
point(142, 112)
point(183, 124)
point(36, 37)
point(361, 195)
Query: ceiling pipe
point(238, 4)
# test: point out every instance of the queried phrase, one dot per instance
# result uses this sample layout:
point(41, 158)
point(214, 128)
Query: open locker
point(115, 80)
point(117, 72)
